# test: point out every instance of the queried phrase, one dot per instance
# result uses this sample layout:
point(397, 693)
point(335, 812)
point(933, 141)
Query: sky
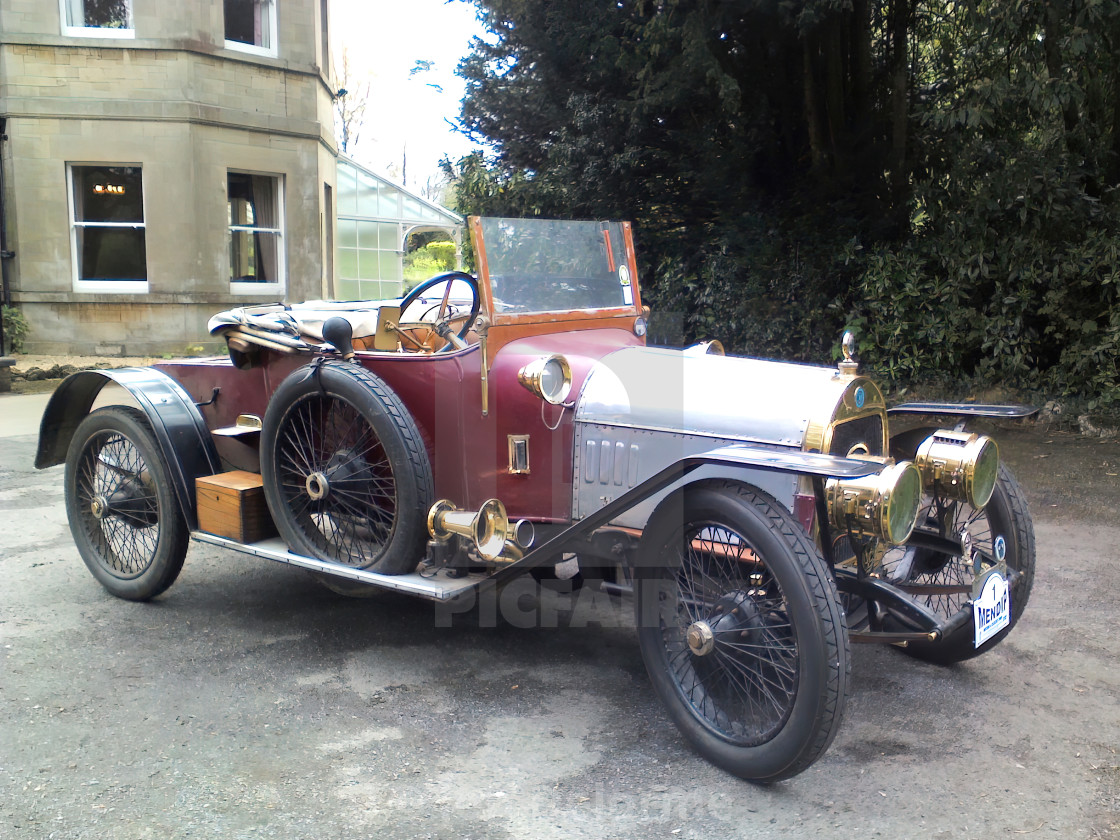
point(405, 117)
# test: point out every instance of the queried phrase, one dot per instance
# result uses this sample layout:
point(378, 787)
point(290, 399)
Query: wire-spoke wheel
point(122, 510)
point(345, 471)
point(943, 582)
point(741, 630)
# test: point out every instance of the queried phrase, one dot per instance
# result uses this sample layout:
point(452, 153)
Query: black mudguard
point(725, 462)
point(188, 450)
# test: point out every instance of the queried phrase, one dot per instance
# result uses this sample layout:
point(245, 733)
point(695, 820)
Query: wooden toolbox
point(232, 505)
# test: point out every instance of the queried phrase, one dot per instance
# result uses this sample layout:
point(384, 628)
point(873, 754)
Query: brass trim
point(820, 431)
point(701, 640)
point(487, 529)
point(867, 506)
point(482, 328)
point(513, 440)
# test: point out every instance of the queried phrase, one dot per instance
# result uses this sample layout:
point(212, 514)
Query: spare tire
point(346, 473)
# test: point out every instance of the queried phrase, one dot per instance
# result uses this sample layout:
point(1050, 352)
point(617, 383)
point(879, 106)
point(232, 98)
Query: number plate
point(991, 609)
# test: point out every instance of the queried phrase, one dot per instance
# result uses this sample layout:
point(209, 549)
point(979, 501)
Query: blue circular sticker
point(999, 548)
point(861, 397)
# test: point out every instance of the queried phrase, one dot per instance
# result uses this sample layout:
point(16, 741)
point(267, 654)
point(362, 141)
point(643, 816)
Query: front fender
point(188, 450)
point(733, 462)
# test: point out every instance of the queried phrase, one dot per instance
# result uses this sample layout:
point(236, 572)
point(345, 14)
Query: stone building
point(162, 161)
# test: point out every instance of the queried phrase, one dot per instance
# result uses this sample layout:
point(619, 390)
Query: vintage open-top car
point(763, 515)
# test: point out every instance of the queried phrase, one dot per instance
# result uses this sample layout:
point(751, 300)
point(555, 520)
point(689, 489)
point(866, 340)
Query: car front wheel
point(943, 582)
point(741, 630)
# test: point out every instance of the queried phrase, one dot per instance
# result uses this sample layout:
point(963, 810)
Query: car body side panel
point(644, 408)
point(469, 451)
point(433, 387)
point(545, 493)
point(611, 460)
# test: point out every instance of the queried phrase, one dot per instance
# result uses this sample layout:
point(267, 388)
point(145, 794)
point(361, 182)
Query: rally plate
point(991, 606)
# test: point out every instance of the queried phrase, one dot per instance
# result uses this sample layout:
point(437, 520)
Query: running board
point(438, 587)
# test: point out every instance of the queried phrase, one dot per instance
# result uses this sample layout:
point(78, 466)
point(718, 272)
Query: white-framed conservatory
point(375, 217)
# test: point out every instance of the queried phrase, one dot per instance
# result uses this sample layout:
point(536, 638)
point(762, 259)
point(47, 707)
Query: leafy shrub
point(434, 258)
point(16, 328)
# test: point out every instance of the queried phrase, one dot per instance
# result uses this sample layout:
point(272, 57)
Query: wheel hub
point(99, 506)
point(701, 640)
point(317, 486)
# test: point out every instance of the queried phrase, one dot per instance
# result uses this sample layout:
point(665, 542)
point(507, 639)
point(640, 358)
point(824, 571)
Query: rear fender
point(188, 450)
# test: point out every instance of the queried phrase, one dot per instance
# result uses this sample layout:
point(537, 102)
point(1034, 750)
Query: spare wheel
point(346, 473)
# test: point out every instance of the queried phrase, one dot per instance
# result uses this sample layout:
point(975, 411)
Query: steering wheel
point(443, 316)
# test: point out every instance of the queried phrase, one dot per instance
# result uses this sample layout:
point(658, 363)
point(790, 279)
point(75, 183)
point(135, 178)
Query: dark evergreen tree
point(941, 174)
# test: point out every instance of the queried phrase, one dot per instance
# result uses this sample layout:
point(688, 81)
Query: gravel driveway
point(250, 702)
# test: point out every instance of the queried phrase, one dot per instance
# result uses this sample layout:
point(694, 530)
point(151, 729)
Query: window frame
point(95, 31)
point(123, 287)
point(280, 284)
point(253, 49)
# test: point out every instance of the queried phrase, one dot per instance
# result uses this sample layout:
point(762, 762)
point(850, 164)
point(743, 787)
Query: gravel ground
point(250, 702)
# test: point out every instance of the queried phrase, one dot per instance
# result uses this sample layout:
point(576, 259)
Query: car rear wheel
point(122, 510)
point(741, 630)
point(346, 474)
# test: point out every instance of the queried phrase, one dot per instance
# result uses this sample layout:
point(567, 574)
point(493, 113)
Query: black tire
point(122, 509)
point(1006, 515)
point(336, 431)
point(766, 700)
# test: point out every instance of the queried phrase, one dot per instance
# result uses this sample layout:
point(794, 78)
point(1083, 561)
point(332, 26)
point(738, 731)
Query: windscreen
point(540, 265)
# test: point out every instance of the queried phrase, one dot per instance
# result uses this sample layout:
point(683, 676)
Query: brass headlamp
point(884, 505)
point(963, 465)
point(549, 377)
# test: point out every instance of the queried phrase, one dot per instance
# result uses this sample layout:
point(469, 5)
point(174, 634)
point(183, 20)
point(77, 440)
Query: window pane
point(249, 21)
point(348, 290)
point(347, 190)
point(108, 194)
point(367, 265)
point(390, 266)
point(367, 196)
point(112, 254)
point(253, 256)
point(347, 263)
point(367, 235)
point(412, 209)
point(347, 233)
point(389, 203)
point(253, 200)
point(107, 14)
point(389, 241)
